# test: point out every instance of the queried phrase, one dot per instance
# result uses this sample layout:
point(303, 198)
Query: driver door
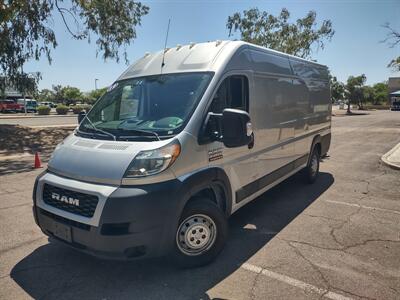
point(239, 163)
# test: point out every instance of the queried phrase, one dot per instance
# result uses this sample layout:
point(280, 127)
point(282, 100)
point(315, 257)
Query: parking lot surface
point(36, 121)
point(336, 239)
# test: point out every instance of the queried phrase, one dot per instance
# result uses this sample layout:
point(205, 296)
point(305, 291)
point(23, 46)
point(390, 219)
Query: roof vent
point(179, 46)
point(217, 43)
point(191, 45)
point(146, 54)
point(166, 50)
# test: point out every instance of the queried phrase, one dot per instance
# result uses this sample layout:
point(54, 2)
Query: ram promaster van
point(183, 139)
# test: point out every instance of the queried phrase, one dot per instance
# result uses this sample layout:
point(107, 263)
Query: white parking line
point(294, 282)
point(364, 206)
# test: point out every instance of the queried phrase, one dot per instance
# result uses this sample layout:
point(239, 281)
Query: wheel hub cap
point(196, 234)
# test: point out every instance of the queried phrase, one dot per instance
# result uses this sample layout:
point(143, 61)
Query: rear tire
point(201, 234)
point(311, 171)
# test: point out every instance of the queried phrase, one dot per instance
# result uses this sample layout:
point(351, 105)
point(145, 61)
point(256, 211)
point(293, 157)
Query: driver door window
point(232, 93)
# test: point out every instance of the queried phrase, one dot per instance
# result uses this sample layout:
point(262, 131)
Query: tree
point(25, 33)
point(276, 32)
point(381, 91)
point(337, 90)
point(46, 95)
point(71, 94)
point(393, 39)
point(94, 95)
point(354, 90)
point(368, 94)
point(58, 94)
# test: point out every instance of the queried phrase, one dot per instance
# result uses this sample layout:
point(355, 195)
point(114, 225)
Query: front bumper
point(129, 222)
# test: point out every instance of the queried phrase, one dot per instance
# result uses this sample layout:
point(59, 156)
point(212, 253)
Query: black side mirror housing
point(81, 116)
point(236, 128)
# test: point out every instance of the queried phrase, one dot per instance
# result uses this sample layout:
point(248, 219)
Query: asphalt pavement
point(336, 239)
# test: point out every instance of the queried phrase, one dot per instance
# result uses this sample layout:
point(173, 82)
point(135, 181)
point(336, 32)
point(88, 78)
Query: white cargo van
point(183, 139)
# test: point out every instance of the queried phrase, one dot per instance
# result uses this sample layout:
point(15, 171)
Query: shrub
point(62, 109)
point(43, 110)
point(77, 109)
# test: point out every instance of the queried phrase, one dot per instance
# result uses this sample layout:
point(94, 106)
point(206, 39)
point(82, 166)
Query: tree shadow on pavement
point(16, 139)
point(56, 272)
point(21, 165)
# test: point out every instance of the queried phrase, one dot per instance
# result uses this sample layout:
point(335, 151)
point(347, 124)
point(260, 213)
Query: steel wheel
point(314, 165)
point(196, 234)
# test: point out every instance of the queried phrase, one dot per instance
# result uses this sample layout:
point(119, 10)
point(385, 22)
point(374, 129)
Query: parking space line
point(364, 206)
point(294, 282)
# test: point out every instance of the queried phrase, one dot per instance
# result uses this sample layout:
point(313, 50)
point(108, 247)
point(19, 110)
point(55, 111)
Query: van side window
point(232, 93)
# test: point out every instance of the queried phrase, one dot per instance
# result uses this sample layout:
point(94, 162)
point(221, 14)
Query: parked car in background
point(9, 106)
point(31, 105)
point(395, 105)
point(49, 104)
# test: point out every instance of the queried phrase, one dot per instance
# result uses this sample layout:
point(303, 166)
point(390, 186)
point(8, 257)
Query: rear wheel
point(312, 169)
point(201, 234)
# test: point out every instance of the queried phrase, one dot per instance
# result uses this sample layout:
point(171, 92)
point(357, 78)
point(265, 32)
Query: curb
point(385, 157)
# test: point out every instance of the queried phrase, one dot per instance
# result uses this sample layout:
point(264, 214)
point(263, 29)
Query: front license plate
point(62, 231)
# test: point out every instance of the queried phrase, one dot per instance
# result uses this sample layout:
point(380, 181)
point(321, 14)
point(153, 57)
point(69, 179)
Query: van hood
point(96, 160)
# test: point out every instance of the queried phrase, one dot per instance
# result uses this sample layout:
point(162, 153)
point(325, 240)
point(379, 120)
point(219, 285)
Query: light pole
point(95, 83)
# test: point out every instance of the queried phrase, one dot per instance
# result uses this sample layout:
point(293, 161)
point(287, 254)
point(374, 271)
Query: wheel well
point(214, 193)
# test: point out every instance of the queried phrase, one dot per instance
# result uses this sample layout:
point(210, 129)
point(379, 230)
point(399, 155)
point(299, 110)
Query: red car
point(9, 105)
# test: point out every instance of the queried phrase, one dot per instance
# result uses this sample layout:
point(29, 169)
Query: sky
point(356, 47)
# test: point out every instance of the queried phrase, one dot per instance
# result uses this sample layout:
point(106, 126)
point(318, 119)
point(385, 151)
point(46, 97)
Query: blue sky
point(354, 49)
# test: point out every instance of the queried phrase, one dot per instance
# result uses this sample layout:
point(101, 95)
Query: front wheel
point(312, 169)
point(201, 234)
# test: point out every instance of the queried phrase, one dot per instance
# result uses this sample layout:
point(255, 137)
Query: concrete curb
point(386, 157)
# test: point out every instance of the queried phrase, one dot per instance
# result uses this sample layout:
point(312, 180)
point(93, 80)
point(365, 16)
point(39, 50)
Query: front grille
point(70, 201)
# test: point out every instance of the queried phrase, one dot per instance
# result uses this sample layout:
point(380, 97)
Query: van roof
point(200, 57)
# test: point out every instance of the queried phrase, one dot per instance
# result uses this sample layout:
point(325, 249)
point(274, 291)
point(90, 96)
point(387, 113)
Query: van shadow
point(54, 271)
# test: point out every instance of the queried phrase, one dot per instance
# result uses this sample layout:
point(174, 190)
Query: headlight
point(152, 162)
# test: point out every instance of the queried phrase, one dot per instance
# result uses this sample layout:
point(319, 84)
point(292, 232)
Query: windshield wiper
point(99, 130)
point(142, 131)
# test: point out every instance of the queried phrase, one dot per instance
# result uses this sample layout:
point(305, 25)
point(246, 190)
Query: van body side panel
point(273, 115)
point(314, 105)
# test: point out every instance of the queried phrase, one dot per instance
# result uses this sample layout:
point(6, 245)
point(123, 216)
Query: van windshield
point(139, 107)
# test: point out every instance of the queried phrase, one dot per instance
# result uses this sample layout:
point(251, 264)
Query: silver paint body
point(289, 103)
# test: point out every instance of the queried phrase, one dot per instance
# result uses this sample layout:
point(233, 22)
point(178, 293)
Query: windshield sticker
point(215, 154)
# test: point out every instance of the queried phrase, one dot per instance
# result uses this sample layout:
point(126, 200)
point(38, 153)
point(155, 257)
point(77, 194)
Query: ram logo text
point(65, 199)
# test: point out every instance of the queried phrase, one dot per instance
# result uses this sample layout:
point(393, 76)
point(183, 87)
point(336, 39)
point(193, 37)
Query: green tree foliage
point(58, 94)
point(354, 90)
point(393, 40)
point(276, 32)
point(26, 33)
point(381, 91)
point(71, 94)
point(94, 95)
point(46, 95)
point(337, 90)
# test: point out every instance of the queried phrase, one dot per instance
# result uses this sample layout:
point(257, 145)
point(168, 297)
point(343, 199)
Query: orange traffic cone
point(38, 163)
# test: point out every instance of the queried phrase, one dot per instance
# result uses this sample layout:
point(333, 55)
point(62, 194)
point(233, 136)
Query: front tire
point(201, 234)
point(312, 169)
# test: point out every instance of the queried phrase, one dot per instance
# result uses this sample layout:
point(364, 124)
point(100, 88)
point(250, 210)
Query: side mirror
point(81, 116)
point(236, 128)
